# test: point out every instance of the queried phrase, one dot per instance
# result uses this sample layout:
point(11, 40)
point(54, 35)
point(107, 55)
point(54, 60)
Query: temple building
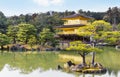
point(68, 31)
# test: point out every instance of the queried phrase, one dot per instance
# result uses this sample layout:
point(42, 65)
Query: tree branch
point(86, 53)
point(80, 54)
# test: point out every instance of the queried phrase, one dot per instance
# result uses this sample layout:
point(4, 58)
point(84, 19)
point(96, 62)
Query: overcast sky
point(17, 7)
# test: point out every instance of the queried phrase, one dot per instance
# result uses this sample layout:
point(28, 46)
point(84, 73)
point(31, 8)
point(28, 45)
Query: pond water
point(35, 64)
point(7, 71)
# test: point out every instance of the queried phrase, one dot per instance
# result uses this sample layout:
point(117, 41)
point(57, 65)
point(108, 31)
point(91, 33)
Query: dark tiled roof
point(70, 26)
point(77, 15)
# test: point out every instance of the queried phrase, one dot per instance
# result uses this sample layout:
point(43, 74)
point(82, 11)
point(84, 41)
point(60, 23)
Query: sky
point(17, 7)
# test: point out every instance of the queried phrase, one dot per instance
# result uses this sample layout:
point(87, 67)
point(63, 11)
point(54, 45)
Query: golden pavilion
point(68, 31)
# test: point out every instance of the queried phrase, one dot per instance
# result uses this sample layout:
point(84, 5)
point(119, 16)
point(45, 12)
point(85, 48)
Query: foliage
point(32, 40)
point(87, 30)
point(82, 49)
point(4, 39)
point(96, 15)
point(47, 38)
point(48, 21)
point(3, 25)
point(94, 28)
point(25, 32)
point(113, 15)
point(118, 27)
point(112, 37)
point(101, 25)
point(12, 33)
point(105, 34)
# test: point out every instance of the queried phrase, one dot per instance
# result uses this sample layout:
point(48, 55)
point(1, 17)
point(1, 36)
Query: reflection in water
point(102, 75)
point(36, 73)
point(7, 71)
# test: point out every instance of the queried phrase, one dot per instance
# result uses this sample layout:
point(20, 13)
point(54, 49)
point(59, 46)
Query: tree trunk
point(83, 39)
point(14, 41)
point(83, 58)
point(84, 62)
point(114, 23)
point(31, 48)
point(2, 47)
point(26, 41)
point(93, 59)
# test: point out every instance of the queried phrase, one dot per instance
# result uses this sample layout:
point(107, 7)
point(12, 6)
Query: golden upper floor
point(76, 19)
point(72, 24)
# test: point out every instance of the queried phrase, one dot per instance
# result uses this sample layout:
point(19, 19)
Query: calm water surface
point(44, 65)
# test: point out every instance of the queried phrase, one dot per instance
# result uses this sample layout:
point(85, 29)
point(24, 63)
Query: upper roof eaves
point(77, 15)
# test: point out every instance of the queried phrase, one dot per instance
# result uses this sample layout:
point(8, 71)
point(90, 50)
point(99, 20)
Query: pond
point(43, 64)
point(14, 72)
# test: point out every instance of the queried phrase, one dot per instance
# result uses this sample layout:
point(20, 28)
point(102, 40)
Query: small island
point(87, 69)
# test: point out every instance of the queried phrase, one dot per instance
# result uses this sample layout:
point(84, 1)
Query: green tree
point(82, 49)
point(94, 30)
point(118, 27)
point(25, 32)
point(32, 41)
point(96, 15)
point(47, 37)
point(101, 25)
point(67, 13)
point(46, 21)
point(113, 16)
point(3, 25)
point(86, 31)
point(12, 33)
point(112, 38)
point(4, 40)
point(13, 20)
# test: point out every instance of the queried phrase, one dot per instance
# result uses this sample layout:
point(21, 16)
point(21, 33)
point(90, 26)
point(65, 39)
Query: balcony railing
point(67, 32)
point(71, 23)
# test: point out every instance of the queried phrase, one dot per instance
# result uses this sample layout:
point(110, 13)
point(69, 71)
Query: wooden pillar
point(68, 43)
point(62, 44)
